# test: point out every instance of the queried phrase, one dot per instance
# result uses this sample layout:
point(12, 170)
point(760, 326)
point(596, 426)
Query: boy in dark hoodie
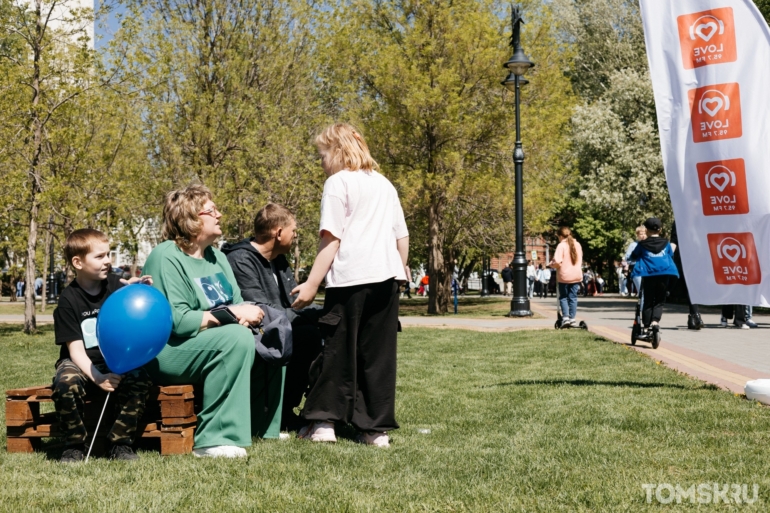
point(654, 258)
point(264, 276)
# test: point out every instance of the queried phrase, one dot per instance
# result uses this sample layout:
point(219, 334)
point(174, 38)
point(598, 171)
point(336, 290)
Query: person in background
point(531, 278)
point(507, 274)
point(567, 260)
point(654, 257)
point(545, 277)
point(641, 234)
point(694, 321)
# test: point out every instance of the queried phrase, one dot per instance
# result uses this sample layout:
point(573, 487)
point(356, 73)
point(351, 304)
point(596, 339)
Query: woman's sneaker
point(374, 438)
point(220, 451)
point(318, 432)
point(723, 322)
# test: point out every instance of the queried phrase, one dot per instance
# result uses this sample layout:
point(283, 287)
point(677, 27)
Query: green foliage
point(228, 100)
point(614, 133)
point(423, 79)
point(764, 8)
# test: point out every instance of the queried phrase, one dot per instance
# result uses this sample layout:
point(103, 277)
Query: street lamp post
point(517, 66)
point(484, 282)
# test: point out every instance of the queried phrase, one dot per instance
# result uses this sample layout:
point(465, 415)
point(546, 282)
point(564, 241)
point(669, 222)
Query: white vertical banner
point(710, 70)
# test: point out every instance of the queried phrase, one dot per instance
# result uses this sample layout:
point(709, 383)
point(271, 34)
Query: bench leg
point(27, 445)
point(176, 445)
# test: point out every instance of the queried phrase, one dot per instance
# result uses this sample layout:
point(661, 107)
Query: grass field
point(525, 421)
point(468, 306)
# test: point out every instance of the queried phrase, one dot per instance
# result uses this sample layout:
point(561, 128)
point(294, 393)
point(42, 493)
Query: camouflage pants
point(70, 386)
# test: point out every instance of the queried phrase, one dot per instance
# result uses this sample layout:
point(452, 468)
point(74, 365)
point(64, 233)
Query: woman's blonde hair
point(345, 148)
point(181, 222)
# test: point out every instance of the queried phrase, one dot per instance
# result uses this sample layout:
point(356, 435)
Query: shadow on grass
point(590, 382)
point(18, 329)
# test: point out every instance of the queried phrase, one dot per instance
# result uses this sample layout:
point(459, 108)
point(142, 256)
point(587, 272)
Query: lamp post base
point(519, 308)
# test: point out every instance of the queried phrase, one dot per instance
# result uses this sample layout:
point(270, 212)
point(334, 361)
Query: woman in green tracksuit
point(195, 277)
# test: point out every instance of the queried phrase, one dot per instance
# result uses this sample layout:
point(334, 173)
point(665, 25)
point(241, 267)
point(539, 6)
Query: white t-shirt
point(361, 208)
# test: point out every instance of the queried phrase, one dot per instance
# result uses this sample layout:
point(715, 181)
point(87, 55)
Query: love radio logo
point(723, 187)
point(707, 37)
point(734, 258)
point(716, 112)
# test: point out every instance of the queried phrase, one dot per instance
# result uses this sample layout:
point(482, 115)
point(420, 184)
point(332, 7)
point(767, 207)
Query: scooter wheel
point(583, 325)
point(655, 340)
point(557, 325)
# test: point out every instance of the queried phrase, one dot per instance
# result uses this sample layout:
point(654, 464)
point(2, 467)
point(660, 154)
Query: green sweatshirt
point(192, 285)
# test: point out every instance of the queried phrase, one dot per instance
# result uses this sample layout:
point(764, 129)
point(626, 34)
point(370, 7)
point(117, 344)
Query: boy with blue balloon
point(81, 367)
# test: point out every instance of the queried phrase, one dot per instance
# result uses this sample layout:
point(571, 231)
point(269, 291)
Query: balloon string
point(96, 432)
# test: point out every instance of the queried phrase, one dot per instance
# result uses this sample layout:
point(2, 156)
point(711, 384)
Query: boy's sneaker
point(374, 438)
point(723, 322)
point(220, 451)
point(318, 432)
point(751, 324)
point(741, 326)
point(73, 454)
point(566, 322)
point(122, 452)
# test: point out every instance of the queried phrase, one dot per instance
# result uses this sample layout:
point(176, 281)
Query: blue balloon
point(133, 326)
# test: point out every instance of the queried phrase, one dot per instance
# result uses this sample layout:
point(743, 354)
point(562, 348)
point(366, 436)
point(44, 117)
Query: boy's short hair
point(80, 242)
point(181, 222)
point(268, 218)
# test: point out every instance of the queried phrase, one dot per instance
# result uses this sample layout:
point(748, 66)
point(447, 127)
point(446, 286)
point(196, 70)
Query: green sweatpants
point(221, 358)
point(267, 382)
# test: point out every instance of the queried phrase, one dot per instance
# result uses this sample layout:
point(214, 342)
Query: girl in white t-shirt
point(363, 252)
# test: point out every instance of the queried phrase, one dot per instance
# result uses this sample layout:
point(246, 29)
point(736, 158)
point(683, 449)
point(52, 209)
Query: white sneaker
point(565, 322)
point(318, 432)
point(220, 451)
point(723, 322)
point(284, 436)
point(374, 438)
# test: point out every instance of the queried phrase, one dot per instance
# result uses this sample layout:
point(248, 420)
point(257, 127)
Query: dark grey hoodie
point(255, 278)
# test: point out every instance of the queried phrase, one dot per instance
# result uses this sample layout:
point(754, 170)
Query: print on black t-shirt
point(75, 316)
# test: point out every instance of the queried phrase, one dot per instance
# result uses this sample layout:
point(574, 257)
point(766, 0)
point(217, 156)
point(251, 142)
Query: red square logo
point(707, 37)
point(716, 112)
point(734, 258)
point(723, 187)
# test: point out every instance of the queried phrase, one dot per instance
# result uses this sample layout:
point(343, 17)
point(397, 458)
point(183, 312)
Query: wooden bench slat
point(179, 420)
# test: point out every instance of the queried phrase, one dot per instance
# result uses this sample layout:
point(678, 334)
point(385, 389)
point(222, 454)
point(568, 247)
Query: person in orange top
point(568, 260)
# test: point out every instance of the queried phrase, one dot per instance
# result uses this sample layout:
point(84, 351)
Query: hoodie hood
point(654, 244)
point(245, 244)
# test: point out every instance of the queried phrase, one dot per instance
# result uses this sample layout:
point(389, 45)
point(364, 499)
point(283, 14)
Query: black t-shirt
point(75, 317)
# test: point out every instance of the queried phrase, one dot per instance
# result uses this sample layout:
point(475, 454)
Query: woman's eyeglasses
point(209, 212)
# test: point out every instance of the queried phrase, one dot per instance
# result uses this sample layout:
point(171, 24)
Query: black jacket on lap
point(255, 278)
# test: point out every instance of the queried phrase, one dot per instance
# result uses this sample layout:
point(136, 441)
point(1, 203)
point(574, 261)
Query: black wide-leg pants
point(354, 378)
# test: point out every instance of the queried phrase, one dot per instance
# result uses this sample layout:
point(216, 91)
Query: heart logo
point(720, 180)
point(705, 102)
point(701, 29)
point(732, 252)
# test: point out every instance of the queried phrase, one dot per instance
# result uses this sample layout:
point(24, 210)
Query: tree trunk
point(440, 282)
point(47, 258)
point(30, 323)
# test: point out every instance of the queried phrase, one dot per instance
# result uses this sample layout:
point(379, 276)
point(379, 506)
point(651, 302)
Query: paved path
point(727, 357)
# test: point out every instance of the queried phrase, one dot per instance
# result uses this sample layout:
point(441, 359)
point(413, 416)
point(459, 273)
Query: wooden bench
point(169, 417)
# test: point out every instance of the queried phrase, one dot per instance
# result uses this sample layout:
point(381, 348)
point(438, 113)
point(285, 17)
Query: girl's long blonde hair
point(345, 148)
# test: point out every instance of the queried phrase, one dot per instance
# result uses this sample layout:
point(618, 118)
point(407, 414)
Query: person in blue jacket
point(654, 258)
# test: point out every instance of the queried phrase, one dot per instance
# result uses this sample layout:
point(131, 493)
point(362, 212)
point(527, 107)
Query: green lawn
point(525, 421)
point(468, 306)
